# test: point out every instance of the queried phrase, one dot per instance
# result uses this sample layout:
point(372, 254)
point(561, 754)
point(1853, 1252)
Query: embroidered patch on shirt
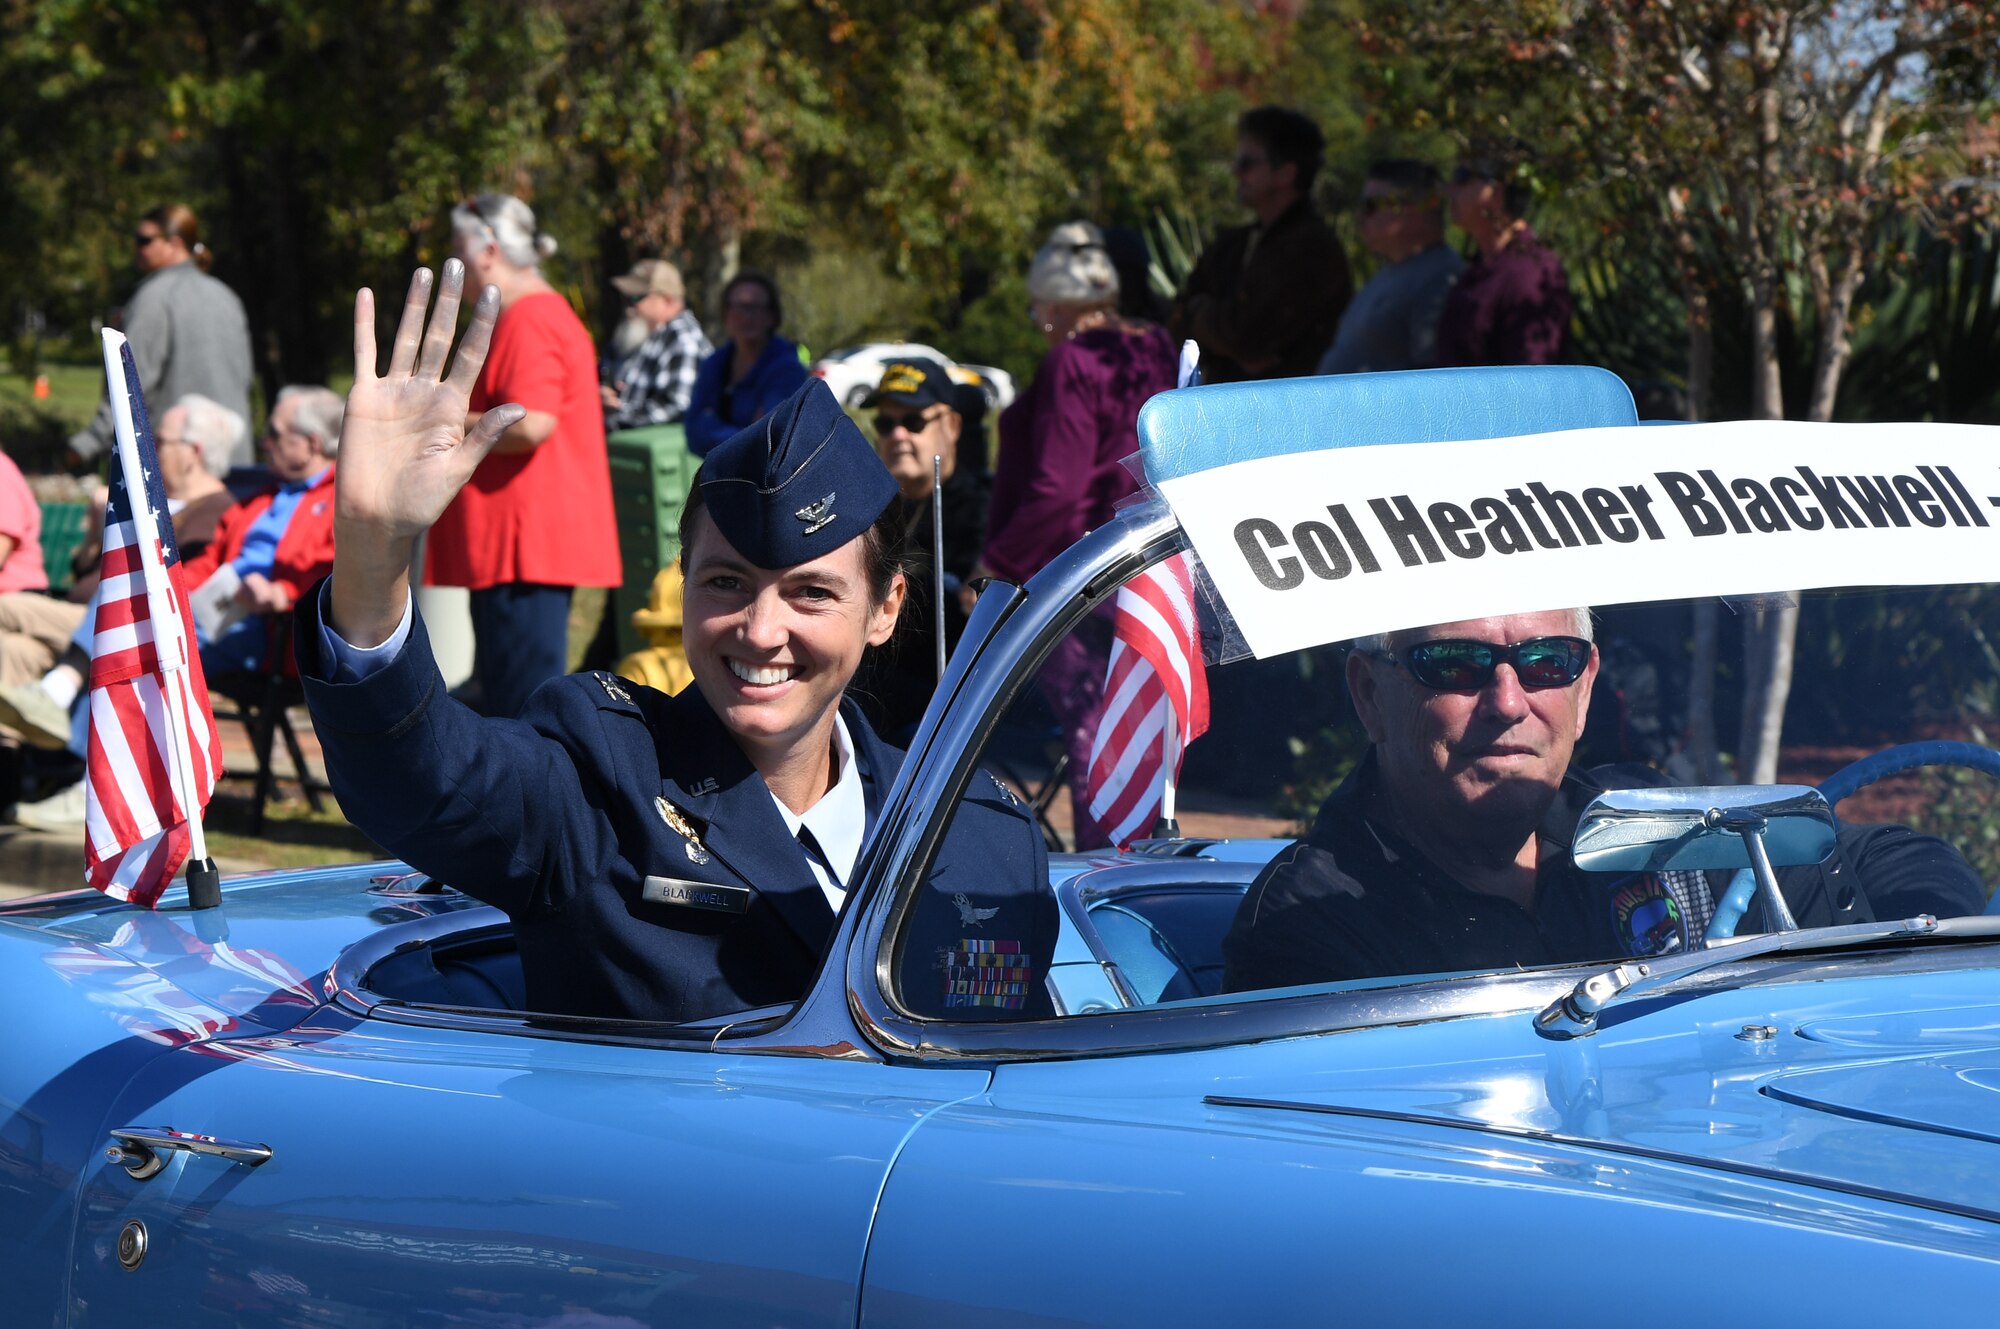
point(1647, 918)
point(982, 972)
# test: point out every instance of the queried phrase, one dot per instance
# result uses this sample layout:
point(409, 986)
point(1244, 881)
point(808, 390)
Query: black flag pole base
point(204, 885)
point(1166, 828)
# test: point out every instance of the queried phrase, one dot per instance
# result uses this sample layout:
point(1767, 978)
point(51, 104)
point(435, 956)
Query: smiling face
point(773, 650)
point(1495, 755)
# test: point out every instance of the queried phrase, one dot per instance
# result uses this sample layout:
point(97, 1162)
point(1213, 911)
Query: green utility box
point(651, 473)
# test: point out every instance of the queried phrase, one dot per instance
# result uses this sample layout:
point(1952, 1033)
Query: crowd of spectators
point(1271, 298)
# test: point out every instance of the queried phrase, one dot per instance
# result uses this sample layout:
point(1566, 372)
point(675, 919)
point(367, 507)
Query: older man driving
point(1447, 848)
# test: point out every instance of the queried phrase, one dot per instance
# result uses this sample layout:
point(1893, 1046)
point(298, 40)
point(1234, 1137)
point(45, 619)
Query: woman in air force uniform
point(663, 858)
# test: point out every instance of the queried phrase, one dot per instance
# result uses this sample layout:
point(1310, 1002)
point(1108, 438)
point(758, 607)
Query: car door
point(445, 1173)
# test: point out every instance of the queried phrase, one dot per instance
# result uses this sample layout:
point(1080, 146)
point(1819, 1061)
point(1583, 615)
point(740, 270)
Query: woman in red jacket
point(536, 521)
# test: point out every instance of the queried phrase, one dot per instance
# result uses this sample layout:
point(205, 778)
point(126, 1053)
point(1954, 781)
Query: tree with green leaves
point(1772, 143)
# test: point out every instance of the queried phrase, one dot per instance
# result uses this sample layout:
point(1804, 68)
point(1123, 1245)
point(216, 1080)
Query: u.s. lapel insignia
point(969, 915)
point(613, 688)
point(680, 826)
point(706, 787)
point(816, 515)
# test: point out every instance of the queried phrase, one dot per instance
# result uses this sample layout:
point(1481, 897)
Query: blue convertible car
point(1764, 1084)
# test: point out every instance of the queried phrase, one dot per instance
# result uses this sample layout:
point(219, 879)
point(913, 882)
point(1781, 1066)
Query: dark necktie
point(818, 855)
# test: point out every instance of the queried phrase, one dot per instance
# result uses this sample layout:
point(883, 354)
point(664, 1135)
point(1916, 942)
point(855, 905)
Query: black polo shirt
point(1353, 900)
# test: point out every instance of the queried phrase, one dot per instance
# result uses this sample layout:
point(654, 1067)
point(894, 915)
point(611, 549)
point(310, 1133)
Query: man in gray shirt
point(188, 331)
point(1392, 321)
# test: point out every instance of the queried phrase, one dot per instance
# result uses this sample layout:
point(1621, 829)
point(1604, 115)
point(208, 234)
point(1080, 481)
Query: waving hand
point(404, 449)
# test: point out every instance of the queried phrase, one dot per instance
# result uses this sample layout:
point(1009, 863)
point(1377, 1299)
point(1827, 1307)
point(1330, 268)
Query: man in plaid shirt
point(652, 385)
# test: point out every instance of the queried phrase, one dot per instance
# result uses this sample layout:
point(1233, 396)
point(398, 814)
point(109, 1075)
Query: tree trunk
point(1768, 635)
point(1702, 745)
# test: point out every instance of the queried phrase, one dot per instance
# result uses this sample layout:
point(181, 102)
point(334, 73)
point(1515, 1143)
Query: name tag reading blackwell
point(1324, 546)
point(697, 894)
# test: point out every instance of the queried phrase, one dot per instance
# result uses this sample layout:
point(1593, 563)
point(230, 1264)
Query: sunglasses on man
point(1452, 664)
point(910, 424)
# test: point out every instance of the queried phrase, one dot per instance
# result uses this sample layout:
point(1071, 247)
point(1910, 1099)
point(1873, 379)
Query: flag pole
point(937, 557)
point(1188, 376)
point(170, 637)
point(1168, 828)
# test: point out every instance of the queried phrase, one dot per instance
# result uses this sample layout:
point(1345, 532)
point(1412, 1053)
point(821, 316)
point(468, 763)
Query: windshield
point(1401, 806)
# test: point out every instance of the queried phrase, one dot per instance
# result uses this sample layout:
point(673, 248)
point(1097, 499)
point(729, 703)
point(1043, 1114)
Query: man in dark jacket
point(1449, 847)
point(926, 425)
point(1264, 300)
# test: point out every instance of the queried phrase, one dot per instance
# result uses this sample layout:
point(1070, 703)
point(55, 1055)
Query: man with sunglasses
point(1263, 300)
point(925, 423)
point(1392, 321)
point(1447, 849)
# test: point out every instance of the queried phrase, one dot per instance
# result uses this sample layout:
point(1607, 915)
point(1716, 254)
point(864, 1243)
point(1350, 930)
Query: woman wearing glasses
point(748, 374)
point(536, 520)
point(188, 332)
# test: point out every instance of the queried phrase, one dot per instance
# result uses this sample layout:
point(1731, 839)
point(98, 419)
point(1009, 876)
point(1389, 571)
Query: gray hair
point(213, 428)
point(1073, 268)
point(508, 223)
point(319, 414)
point(1377, 642)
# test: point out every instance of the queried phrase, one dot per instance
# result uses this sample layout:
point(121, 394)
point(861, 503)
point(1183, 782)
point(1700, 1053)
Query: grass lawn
point(294, 835)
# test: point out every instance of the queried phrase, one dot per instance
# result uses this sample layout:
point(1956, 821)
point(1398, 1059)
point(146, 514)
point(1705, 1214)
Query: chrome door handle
point(142, 1150)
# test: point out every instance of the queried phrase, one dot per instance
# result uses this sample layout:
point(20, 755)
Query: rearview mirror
point(1702, 826)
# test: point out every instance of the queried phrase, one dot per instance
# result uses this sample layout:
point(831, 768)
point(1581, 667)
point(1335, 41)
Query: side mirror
point(1761, 827)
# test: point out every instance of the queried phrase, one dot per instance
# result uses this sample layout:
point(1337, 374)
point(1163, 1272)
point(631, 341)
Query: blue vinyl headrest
point(1199, 429)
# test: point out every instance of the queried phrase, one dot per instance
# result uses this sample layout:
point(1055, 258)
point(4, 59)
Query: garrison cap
point(797, 484)
point(916, 380)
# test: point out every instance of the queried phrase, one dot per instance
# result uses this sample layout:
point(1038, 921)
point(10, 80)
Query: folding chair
point(262, 699)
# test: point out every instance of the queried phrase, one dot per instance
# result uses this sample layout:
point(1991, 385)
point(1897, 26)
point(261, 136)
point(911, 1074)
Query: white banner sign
point(1325, 546)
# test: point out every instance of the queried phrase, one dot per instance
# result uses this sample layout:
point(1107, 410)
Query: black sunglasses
point(1451, 664)
point(915, 424)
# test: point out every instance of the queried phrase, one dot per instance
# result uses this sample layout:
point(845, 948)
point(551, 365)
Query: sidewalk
point(37, 862)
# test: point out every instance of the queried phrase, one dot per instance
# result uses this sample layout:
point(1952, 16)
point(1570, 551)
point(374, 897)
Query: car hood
point(175, 975)
point(1885, 1086)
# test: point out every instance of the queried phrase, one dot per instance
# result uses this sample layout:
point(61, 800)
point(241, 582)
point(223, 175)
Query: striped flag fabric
point(154, 755)
point(1155, 701)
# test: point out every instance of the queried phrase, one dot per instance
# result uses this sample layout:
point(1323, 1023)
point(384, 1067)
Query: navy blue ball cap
point(796, 485)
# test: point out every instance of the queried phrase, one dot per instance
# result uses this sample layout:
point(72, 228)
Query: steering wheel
point(1860, 774)
point(1855, 776)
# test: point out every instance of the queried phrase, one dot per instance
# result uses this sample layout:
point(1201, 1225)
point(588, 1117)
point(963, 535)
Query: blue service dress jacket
point(640, 855)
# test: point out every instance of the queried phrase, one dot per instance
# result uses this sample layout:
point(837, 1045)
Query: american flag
point(151, 731)
point(1155, 701)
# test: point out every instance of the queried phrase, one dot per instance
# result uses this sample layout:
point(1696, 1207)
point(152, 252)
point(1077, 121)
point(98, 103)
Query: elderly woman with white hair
point(1059, 471)
point(536, 520)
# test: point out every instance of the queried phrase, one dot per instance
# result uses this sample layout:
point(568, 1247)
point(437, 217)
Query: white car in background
point(854, 371)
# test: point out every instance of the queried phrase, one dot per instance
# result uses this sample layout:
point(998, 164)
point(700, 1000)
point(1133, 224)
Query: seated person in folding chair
point(274, 545)
point(271, 547)
point(45, 641)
